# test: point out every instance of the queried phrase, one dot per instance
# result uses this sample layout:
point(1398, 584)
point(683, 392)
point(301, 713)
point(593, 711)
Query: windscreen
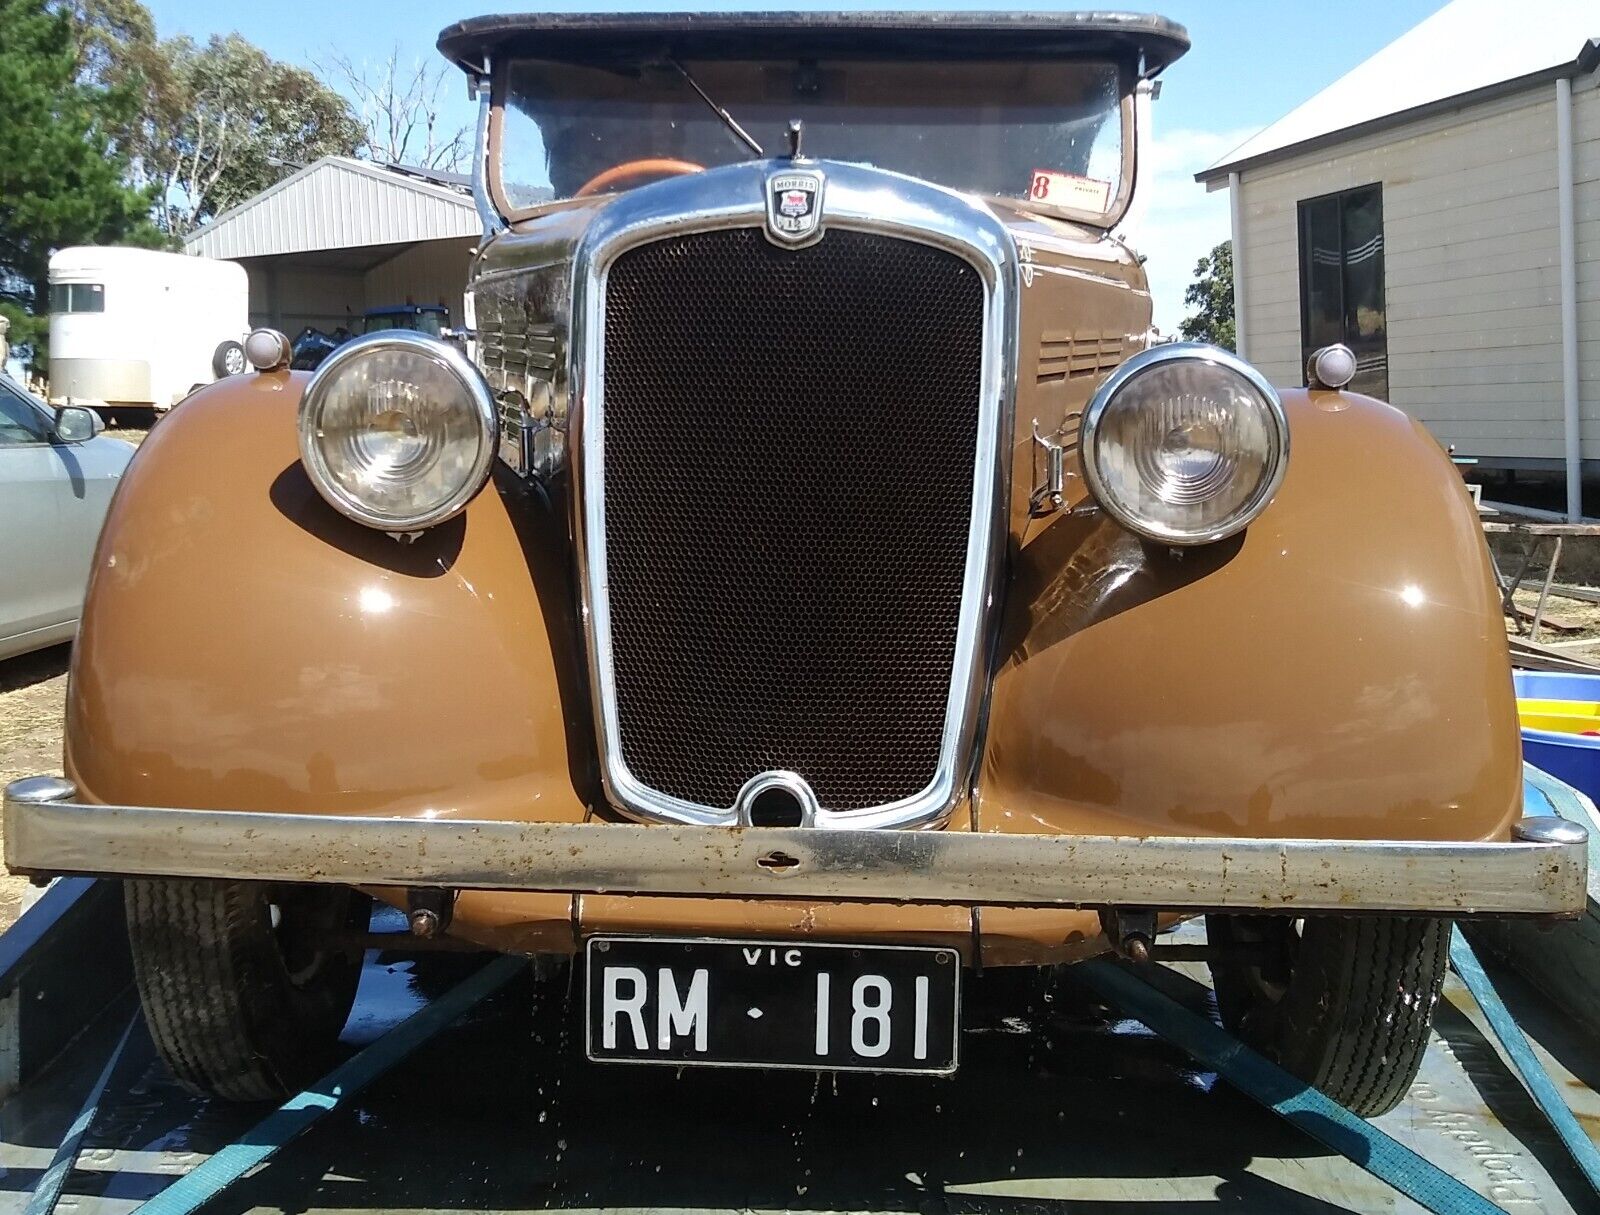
point(1047, 131)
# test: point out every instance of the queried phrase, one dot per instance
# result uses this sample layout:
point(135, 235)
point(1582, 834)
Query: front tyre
point(1344, 1004)
point(243, 991)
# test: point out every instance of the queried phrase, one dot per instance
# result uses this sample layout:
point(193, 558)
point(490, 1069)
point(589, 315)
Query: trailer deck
point(1071, 1108)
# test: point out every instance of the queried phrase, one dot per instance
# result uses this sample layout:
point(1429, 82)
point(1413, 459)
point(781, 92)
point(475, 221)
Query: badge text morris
point(794, 206)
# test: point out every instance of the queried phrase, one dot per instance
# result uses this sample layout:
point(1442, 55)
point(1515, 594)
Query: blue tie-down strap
point(1318, 1115)
point(194, 1189)
point(48, 1192)
point(1544, 1091)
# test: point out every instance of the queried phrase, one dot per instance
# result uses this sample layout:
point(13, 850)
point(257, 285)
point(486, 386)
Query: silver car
point(57, 473)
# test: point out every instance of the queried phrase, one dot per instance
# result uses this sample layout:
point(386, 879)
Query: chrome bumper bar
point(1540, 873)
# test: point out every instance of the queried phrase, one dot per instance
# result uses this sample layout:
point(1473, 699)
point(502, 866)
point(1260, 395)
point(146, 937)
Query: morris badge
point(794, 206)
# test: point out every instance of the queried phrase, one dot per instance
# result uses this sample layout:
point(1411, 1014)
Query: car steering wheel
point(654, 166)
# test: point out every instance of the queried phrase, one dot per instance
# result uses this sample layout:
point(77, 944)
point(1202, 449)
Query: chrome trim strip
point(956, 867)
point(488, 214)
point(861, 199)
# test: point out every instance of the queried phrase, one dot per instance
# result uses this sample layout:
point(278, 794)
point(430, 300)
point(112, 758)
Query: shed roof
point(1468, 48)
point(340, 203)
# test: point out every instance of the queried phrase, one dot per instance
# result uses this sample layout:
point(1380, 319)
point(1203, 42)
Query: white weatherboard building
point(340, 236)
point(1438, 210)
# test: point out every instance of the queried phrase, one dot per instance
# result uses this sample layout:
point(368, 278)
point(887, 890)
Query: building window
point(1341, 282)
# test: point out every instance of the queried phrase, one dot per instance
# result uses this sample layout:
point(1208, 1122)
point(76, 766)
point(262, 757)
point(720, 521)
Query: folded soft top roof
point(622, 38)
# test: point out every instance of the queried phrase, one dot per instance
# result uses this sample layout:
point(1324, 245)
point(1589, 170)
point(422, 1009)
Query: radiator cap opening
point(777, 799)
point(776, 807)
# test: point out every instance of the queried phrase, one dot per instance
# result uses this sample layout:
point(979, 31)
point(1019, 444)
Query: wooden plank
point(1583, 594)
point(1552, 620)
point(1543, 529)
point(1531, 656)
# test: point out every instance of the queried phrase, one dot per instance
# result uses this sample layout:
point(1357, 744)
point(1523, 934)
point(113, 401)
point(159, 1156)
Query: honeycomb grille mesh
point(789, 447)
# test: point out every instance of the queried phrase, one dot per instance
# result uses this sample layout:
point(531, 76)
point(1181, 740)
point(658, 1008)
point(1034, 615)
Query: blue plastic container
point(1574, 758)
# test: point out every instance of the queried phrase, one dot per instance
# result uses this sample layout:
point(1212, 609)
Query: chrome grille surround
point(858, 199)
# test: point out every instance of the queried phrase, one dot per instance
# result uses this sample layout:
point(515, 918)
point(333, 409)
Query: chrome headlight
point(397, 430)
point(1184, 444)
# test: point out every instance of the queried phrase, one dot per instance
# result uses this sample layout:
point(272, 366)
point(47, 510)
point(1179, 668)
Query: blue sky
point(1253, 60)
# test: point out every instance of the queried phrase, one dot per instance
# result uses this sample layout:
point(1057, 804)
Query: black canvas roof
point(629, 37)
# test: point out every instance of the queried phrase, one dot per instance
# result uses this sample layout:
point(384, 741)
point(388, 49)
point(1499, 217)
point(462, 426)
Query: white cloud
point(1178, 221)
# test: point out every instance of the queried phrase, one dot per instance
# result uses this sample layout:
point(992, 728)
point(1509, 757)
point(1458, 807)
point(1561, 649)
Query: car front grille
point(789, 444)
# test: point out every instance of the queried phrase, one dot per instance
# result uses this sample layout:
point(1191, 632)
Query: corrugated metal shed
point(338, 203)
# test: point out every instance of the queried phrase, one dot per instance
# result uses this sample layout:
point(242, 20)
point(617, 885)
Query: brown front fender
point(246, 647)
point(1339, 671)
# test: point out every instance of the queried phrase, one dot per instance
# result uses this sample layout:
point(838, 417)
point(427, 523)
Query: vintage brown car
point(802, 583)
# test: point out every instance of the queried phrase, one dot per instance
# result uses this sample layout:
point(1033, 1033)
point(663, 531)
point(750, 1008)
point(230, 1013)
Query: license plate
point(766, 1004)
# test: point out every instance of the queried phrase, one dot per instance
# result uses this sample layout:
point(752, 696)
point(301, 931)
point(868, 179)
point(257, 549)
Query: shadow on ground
point(26, 670)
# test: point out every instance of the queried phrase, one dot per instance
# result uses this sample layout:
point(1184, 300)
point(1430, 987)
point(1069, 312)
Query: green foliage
point(224, 121)
point(63, 176)
point(1212, 295)
point(110, 39)
point(116, 49)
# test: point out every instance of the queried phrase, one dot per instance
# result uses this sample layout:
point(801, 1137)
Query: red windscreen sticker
point(1069, 190)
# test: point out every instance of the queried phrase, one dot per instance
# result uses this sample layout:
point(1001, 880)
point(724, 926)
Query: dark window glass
point(21, 423)
point(1341, 282)
point(77, 297)
point(1044, 130)
point(422, 321)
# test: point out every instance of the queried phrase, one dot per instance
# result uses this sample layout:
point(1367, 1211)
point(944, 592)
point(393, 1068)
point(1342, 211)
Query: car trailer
point(465, 1089)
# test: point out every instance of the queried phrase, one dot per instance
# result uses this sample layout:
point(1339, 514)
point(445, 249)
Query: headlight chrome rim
point(454, 362)
point(1144, 361)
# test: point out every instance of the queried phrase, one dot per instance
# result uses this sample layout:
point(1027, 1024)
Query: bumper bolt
point(424, 923)
point(1549, 829)
point(1136, 947)
point(41, 790)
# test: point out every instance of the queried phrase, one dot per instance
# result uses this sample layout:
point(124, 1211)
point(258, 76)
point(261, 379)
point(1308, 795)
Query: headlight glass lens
point(1185, 448)
point(397, 433)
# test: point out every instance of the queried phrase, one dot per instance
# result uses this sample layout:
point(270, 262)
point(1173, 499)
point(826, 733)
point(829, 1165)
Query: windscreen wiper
point(737, 131)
